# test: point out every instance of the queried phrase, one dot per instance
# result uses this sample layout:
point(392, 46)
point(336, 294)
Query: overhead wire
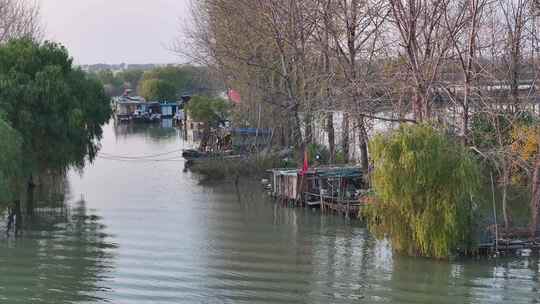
point(147, 156)
point(158, 157)
point(141, 160)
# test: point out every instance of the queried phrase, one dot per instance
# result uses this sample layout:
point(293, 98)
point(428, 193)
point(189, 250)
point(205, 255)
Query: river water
point(146, 232)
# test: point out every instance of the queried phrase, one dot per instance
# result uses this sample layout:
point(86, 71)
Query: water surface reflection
point(146, 232)
point(64, 255)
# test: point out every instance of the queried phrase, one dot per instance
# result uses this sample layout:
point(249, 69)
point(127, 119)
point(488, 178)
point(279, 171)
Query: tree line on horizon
point(160, 83)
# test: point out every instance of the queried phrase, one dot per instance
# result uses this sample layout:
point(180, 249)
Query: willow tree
point(56, 109)
point(425, 185)
point(10, 149)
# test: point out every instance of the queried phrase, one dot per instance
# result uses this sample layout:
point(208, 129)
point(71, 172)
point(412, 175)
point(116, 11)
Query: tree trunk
point(364, 158)
point(465, 123)
point(30, 197)
point(185, 125)
point(535, 198)
point(330, 115)
point(18, 217)
point(465, 114)
point(417, 106)
point(283, 136)
point(309, 129)
point(299, 142)
point(331, 136)
point(205, 138)
point(505, 183)
point(345, 137)
point(11, 219)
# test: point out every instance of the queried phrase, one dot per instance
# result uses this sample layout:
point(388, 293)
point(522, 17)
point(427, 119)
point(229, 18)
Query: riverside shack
point(168, 109)
point(125, 109)
point(338, 189)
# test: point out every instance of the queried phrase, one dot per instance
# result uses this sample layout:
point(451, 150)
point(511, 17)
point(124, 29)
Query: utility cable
point(148, 156)
point(140, 160)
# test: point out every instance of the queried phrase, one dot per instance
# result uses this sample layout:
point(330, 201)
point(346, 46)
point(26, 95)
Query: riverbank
point(223, 168)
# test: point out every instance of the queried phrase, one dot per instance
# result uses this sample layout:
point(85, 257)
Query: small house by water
point(125, 109)
point(338, 189)
point(168, 109)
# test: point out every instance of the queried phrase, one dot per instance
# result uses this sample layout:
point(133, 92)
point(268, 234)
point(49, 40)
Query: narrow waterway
point(139, 231)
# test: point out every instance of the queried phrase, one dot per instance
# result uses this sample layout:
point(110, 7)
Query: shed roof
point(341, 172)
point(325, 172)
point(128, 103)
point(251, 131)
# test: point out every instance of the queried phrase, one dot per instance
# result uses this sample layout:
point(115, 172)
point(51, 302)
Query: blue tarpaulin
point(251, 131)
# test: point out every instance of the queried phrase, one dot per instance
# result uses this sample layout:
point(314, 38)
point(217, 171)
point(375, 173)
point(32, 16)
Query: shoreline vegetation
point(437, 103)
point(51, 118)
point(340, 74)
point(426, 192)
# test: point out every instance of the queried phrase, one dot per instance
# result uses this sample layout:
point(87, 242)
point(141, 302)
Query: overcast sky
point(115, 31)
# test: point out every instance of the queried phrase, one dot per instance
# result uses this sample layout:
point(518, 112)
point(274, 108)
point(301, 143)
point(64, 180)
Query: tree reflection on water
point(62, 255)
point(154, 131)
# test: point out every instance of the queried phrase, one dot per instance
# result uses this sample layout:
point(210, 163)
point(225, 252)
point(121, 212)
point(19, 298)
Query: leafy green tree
point(156, 89)
point(114, 84)
point(424, 183)
point(57, 110)
point(210, 111)
point(107, 77)
point(131, 78)
point(179, 77)
point(186, 79)
point(91, 109)
point(10, 162)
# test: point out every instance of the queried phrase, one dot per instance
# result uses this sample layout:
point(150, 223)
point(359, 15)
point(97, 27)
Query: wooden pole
point(321, 195)
point(495, 214)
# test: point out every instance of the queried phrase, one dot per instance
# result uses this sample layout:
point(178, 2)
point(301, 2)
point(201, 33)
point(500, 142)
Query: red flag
point(305, 168)
point(234, 96)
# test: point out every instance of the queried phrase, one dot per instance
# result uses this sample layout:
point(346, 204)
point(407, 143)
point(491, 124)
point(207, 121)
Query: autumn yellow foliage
point(525, 146)
point(526, 140)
